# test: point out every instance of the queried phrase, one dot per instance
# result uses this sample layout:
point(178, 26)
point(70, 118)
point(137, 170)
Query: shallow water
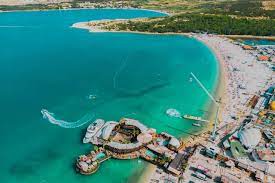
point(258, 42)
point(46, 64)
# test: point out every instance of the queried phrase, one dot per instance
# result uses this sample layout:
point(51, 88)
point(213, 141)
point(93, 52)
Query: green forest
point(229, 17)
point(215, 24)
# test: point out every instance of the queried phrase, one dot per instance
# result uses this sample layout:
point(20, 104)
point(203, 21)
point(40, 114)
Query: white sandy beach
point(244, 76)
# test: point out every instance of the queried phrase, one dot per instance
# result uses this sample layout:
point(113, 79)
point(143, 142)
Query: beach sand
point(241, 76)
point(147, 173)
point(220, 91)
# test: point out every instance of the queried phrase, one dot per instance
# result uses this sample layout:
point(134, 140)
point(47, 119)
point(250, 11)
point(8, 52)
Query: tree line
point(214, 24)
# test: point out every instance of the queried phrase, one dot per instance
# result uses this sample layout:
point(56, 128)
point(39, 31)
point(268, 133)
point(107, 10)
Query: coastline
point(72, 9)
point(220, 87)
point(270, 38)
point(229, 56)
point(147, 173)
point(99, 29)
point(221, 83)
point(218, 91)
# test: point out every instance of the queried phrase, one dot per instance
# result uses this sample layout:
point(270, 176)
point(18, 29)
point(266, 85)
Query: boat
point(47, 115)
point(196, 124)
point(92, 130)
point(92, 97)
point(196, 118)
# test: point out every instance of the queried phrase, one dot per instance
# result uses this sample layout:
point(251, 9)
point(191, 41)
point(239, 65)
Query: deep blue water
point(47, 64)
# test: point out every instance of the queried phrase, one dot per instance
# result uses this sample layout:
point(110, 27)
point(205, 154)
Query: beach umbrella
point(272, 105)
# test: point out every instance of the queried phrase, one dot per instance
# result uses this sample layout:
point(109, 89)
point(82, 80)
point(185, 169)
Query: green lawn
point(237, 149)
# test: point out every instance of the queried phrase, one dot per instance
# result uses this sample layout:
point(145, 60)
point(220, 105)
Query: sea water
point(254, 42)
point(46, 64)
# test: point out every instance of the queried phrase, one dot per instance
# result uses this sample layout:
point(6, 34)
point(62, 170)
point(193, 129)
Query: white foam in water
point(130, 114)
point(50, 117)
point(173, 113)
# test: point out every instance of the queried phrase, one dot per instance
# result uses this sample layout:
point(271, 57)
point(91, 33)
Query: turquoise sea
point(46, 64)
point(258, 42)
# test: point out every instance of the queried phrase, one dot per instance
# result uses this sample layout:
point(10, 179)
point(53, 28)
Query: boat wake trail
point(123, 64)
point(12, 26)
point(65, 124)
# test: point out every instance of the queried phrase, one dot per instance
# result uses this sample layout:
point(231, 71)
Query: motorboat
point(196, 118)
point(196, 124)
point(92, 129)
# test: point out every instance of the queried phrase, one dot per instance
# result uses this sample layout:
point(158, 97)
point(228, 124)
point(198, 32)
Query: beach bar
point(129, 139)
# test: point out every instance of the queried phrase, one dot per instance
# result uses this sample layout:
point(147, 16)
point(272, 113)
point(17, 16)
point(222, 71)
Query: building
point(176, 165)
point(129, 139)
point(250, 137)
point(266, 154)
point(212, 151)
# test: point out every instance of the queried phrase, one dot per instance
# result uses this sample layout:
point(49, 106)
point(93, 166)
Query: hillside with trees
point(239, 17)
point(215, 24)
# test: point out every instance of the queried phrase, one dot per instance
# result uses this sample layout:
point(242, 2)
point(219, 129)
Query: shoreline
point(221, 80)
point(218, 90)
point(100, 29)
point(74, 9)
point(147, 173)
point(237, 67)
point(228, 55)
point(250, 37)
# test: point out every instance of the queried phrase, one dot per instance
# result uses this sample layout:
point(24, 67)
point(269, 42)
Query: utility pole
point(217, 103)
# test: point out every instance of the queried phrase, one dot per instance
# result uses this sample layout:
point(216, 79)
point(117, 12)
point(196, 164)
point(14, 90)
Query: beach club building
point(129, 139)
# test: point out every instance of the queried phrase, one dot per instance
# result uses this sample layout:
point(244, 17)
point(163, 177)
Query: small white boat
point(92, 129)
point(196, 118)
point(92, 97)
point(196, 124)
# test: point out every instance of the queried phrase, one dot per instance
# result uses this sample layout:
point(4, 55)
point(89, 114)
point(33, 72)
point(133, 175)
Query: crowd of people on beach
point(243, 75)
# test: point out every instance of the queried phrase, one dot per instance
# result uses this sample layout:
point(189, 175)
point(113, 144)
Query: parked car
point(199, 175)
